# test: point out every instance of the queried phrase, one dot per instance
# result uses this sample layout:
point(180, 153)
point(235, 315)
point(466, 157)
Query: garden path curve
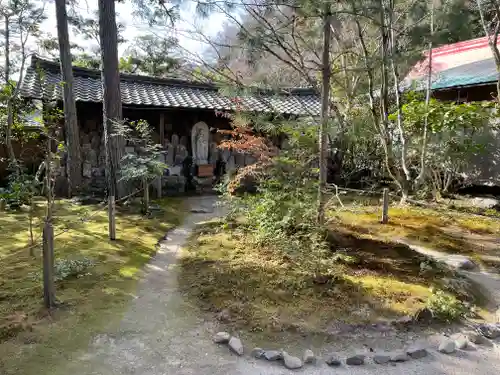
point(161, 333)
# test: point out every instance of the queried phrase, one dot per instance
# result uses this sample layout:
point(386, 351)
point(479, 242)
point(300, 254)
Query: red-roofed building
point(463, 71)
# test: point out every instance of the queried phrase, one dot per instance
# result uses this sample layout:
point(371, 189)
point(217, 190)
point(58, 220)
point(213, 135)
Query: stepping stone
point(416, 352)
point(477, 338)
point(381, 359)
point(461, 341)
point(291, 362)
point(222, 338)
point(447, 346)
point(309, 356)
point(258, 353)
point(490, 331)
point(333, 361)
point(400, 357)
point(273, 355)
point(356, 360)
point(235, 345)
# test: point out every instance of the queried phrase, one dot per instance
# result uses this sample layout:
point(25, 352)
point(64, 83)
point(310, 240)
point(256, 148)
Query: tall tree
point(21, 23)
point(73, 161)
point(325, 111)
point(112, 105)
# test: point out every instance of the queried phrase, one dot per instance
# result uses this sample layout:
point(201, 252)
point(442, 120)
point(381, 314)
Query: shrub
point(446, 307)
point(70, 268)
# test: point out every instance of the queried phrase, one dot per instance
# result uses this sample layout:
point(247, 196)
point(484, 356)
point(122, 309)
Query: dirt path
point(489, 281)
point(163, 334)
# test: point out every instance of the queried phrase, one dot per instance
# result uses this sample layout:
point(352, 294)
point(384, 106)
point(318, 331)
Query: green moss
point(267, 290)
point(89, 302)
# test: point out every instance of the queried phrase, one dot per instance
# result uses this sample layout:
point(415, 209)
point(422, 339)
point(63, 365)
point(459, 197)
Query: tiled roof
point(167, 93)
point(477, 73)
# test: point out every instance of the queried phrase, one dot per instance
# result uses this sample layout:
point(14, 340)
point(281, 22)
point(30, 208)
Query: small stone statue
point(180, 154)
point(175, 140)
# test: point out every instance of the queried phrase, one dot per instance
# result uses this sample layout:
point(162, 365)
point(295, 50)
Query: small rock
point(333, 361)
point(478, 339)
point(222, 338)
point(236, 345)
point(258, 353)
point(424, 315)
point(224, 315)
point(474, 337)
point(447, 346)
point(416, 352)
point(381, 359)
point(356, 360)
point(309, 356)
point(273, 355)
point(382, 327)
point(291, 362)
point(461, 341)
point(404, 320)
point(400, 357)
point(466, 264)
point(490, 331)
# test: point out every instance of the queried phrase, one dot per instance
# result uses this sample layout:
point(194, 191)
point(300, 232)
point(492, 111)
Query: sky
point(134, 26)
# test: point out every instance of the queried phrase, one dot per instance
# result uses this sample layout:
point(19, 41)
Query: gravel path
point(490, 282)
point(162, 334)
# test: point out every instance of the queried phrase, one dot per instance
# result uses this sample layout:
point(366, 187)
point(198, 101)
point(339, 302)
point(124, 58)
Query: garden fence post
point(111, 217)
point(48, 265)
point(385, 206)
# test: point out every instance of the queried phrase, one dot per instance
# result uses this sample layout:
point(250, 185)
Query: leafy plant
point(446, 307)
point(65, 269)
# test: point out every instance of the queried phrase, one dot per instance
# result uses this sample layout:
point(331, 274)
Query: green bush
point(65, 269)
point(446, 307)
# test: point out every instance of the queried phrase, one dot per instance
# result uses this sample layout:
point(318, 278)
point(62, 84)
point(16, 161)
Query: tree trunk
point(421, 176)
point(73, 161)
point(112, 105)
point(10, 114)
point(48, 234)
point(325, 106)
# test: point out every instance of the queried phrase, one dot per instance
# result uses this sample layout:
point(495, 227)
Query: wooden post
point(385, 206)
point(146, 194)
point(162, 129)
point(49, 294)
point(111, 217)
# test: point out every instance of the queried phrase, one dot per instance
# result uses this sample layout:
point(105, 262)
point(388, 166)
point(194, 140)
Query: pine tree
point(73, 161)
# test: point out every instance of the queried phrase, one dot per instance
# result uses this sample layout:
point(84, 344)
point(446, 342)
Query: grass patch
point(444, 230)
point(267, 290)
point(32, 338)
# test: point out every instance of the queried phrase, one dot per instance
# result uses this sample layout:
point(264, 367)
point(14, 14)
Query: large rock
point(447, 346)
point(356, 360)
point(236, 345)
point(222, 337)
point(291, 362)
